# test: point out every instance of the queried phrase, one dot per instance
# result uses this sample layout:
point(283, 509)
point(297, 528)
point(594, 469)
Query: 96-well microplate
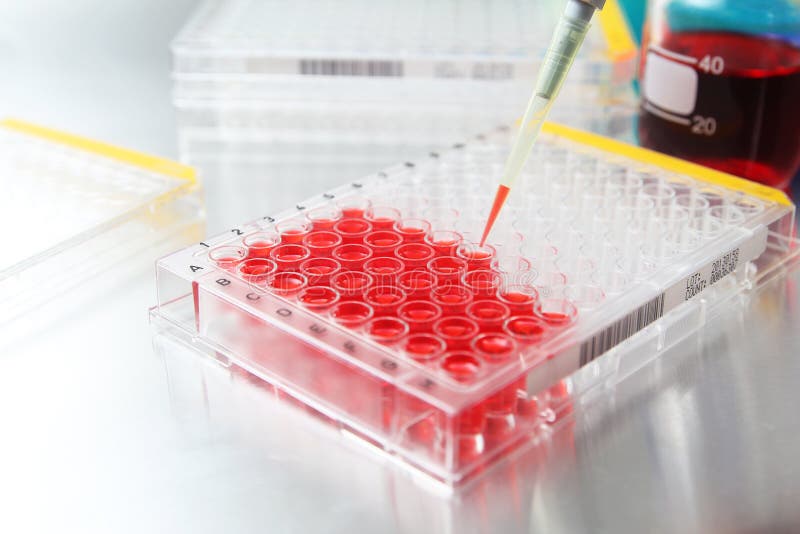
point(374, 305)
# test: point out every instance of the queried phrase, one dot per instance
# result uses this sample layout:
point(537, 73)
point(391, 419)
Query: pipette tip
point(499, 199)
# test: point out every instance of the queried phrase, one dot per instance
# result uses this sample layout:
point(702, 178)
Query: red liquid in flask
point(746, 104)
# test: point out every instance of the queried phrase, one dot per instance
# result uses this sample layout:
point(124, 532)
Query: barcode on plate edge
point(621, 329)
point(348, 67)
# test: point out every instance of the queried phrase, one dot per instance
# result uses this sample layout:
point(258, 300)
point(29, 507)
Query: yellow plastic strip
point(131, 157)
point(615, 28)
point(673, 164)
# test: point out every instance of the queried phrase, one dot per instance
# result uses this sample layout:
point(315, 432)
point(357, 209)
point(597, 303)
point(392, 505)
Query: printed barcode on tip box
point(337, 67)
point(622, 329)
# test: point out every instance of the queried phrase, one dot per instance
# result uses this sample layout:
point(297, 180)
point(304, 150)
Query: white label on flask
point(670, 85)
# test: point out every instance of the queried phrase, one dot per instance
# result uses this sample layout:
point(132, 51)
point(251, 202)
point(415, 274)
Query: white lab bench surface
point(107, 427)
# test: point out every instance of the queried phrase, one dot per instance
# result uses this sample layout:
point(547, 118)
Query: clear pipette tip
point(567, 39)
point(499, 199)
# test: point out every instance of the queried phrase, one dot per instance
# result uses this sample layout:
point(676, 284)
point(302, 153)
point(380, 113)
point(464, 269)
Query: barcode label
point(338, 67)
point(607, 337)
point(724, 266)
point(622, 329)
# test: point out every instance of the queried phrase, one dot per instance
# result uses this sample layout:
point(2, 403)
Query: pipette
point(567, 39)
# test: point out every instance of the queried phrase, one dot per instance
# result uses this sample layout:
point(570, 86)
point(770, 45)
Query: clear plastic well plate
point(73, 207)
point(399, 74)
point(373, 304)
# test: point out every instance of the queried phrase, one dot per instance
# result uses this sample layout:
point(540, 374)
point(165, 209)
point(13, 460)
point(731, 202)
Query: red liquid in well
point(259, 249)
point(419, 314)
point(424, 348)
point(353, 212)
point(260, 266)
point(745, 118)
point(386, 329)
point(351, 314)
point(322, 243)
point(554, 317)
point(324, 217)
point(293, 236)
point(452, 299)
point(351, 284)
point(286, 283)
point(494, 347)
point(293, 232)
point(384, 266)
point(448, 268)
point(556, 312)
point(444, 242)
point(500, 407)
point(318, 298)
point(383, 297)
point(289, 256)
point(445, 248)
point(227, 257)
point(461, 366)
point(417, 284)
point(412, 230)
point(520, 299)
point(477, 257)
point(526, 329)
point(411, 234)
point(384, 300)
point(482, 283)
point(352, 230)
point(503, 403)
point(319, 271)
point(464, 367)
point(382, 218)
point(353, 206)
point(260, 244)
point(414, 255)
point(489, 314)
point(323, 224)
point(352, 256)
point(384, 270)
point(383, 243)
point(457, 332)
point(382, 223)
